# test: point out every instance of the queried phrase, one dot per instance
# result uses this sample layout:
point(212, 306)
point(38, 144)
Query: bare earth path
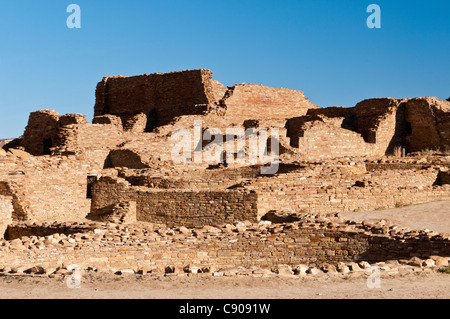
point(414, 285)
point(433, 216)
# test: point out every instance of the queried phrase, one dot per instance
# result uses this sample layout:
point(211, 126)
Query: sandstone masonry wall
point(429, 119)
point(146, 248)
point(161, 96)
point(325, 138)
point(249, 101)
point(335, 200)
point(46, 189)
point(386, 125)
point(41, 132)
point(175, 207)
point(331, 188)
point(6, 210)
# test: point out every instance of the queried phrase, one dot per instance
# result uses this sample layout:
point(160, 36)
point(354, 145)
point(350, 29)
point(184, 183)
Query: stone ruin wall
point(324, 139)
point(350, 189)
point(430, 124)
point(146, 249)
point(163, 96)
point(349, 200)
point(158, 99)
point(258, 102)
point(174, 207)
point(333, 189)
point(44, 189)
point(41, 132)
point(118, 138)
point(6, 210)
point(374, 127)
point(220, 196)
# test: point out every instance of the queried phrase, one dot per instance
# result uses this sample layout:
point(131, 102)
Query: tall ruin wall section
point(429, 120)
point(374, 127)
point(161, 96)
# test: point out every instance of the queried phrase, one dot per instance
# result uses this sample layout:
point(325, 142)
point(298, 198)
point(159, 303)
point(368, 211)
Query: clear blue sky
point(323, 48)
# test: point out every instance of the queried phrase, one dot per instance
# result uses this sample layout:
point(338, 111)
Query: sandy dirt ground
point(428, 284)
point(433, 216)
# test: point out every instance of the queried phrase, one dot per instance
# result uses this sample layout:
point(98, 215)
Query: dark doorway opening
point(91, 179)
point(152, 121)
point(47, 146)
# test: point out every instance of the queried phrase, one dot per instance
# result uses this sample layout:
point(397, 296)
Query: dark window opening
point(47, 146)
point(349, 122)
point(91, 179)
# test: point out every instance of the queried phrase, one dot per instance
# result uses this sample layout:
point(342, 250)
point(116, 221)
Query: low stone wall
point(15, 231)
point(175, 207)
point(195, 209)
point(347, 188)
point(335, 200)
point(155, 248)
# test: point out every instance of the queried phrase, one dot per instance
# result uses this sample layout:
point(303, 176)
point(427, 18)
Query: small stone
point(126, 272)
point(144, 270)
point(7, 269)
point(19, 270)
point(169, 269)
point(283, 270)
point(415, 261)
point(16, 242)
point(354, 267)
point(313, 271)
point(192, 269)
point(99, 231)
point(261, 272)
point(218, 274)
point(206, 270)
point(428, 263)
point(365, 265)
point(38, 270)
point(301, 270)
point(183, 230)
point(329, 269)
point(440, 261)
point(343, 268)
